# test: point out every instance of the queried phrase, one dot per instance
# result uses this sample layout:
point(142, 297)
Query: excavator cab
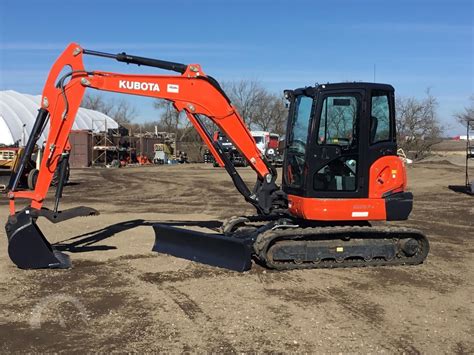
point(335, 135)
point(335, 132)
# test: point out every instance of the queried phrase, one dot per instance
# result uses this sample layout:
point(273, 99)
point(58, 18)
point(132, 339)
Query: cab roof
point(312, 90)
point(355, 85)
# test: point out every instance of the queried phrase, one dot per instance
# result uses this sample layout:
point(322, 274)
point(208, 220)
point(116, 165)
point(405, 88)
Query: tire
point(32, 178)
point(4, 180)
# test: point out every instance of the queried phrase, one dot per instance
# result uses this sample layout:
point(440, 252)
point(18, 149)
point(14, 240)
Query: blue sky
point(284, 44)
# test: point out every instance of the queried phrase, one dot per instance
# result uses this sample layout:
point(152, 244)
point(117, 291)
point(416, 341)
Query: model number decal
point(173, 88)
point(360, 214)
point(138, 85)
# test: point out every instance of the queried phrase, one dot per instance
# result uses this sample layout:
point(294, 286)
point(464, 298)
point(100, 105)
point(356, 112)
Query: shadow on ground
point(89, 241)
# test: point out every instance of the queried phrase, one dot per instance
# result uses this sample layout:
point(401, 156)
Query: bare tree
point(172, 120)
point(468, 114)
point(97, 103)
point(121, 111)
point(418, 127)
point(270, 114)
point(259, 108)
point(149, 126)
point(208, 124)
point(246, 96)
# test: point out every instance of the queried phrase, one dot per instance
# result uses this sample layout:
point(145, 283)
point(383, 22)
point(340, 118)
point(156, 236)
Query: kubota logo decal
point(138, 85)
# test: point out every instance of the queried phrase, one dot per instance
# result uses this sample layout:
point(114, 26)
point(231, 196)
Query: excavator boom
point(192, 92)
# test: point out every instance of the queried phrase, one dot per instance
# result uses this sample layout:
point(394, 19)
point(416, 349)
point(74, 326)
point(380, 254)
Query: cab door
point(337, 164)
point(297, 139)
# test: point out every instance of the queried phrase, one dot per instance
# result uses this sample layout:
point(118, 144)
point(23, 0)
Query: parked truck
point(268, 144)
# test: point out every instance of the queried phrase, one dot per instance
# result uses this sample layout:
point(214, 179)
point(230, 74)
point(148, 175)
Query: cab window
point(338, 120)
point(297, 141)
point(379, 118)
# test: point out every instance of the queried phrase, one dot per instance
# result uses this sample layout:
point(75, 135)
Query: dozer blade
point(212, 249)
point(28, 247)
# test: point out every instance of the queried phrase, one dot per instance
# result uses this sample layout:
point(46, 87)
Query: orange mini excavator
point(340, 172)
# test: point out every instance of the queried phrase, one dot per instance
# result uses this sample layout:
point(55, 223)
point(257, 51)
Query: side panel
point(387, 178)
point(387, 175)
point(360, 209)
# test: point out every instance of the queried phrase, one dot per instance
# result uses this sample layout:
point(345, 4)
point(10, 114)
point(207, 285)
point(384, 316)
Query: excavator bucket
point(28, 247)
point(212, 249)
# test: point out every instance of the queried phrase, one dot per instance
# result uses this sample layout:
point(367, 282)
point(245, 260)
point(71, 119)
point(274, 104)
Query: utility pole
point(374, 72)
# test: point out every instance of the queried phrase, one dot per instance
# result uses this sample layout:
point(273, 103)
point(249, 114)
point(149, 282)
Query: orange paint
point(387, 174)
point(360, 209)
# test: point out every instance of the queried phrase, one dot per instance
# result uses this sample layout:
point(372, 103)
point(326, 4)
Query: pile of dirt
point(447, 158)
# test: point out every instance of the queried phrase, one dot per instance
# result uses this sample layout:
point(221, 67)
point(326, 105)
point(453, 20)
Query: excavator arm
point(191, 92)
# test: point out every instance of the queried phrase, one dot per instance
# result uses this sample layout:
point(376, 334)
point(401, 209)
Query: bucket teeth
point(64, 215)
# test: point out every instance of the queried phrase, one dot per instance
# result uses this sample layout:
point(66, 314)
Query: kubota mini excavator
point(340, 172)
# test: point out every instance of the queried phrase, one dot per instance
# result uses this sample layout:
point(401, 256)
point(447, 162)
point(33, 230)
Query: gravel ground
point(120, 296)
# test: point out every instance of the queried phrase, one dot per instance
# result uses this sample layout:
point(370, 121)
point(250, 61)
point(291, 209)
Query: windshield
point(338, 120)
point(258, 139)
point(300, 124)
point(298, 136)
point(223, 139)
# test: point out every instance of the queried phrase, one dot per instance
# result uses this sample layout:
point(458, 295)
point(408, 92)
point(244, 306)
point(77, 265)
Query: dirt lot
point(122, 297)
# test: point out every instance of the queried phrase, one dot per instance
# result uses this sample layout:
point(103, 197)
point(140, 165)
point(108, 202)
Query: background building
point(18, 113)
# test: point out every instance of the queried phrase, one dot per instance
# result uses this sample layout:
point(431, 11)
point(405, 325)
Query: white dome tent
point(18, 113)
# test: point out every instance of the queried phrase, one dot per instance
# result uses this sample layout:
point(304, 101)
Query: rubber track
point(314, 234)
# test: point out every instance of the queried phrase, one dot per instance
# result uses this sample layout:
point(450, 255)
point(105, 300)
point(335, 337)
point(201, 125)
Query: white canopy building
point(18, 113)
